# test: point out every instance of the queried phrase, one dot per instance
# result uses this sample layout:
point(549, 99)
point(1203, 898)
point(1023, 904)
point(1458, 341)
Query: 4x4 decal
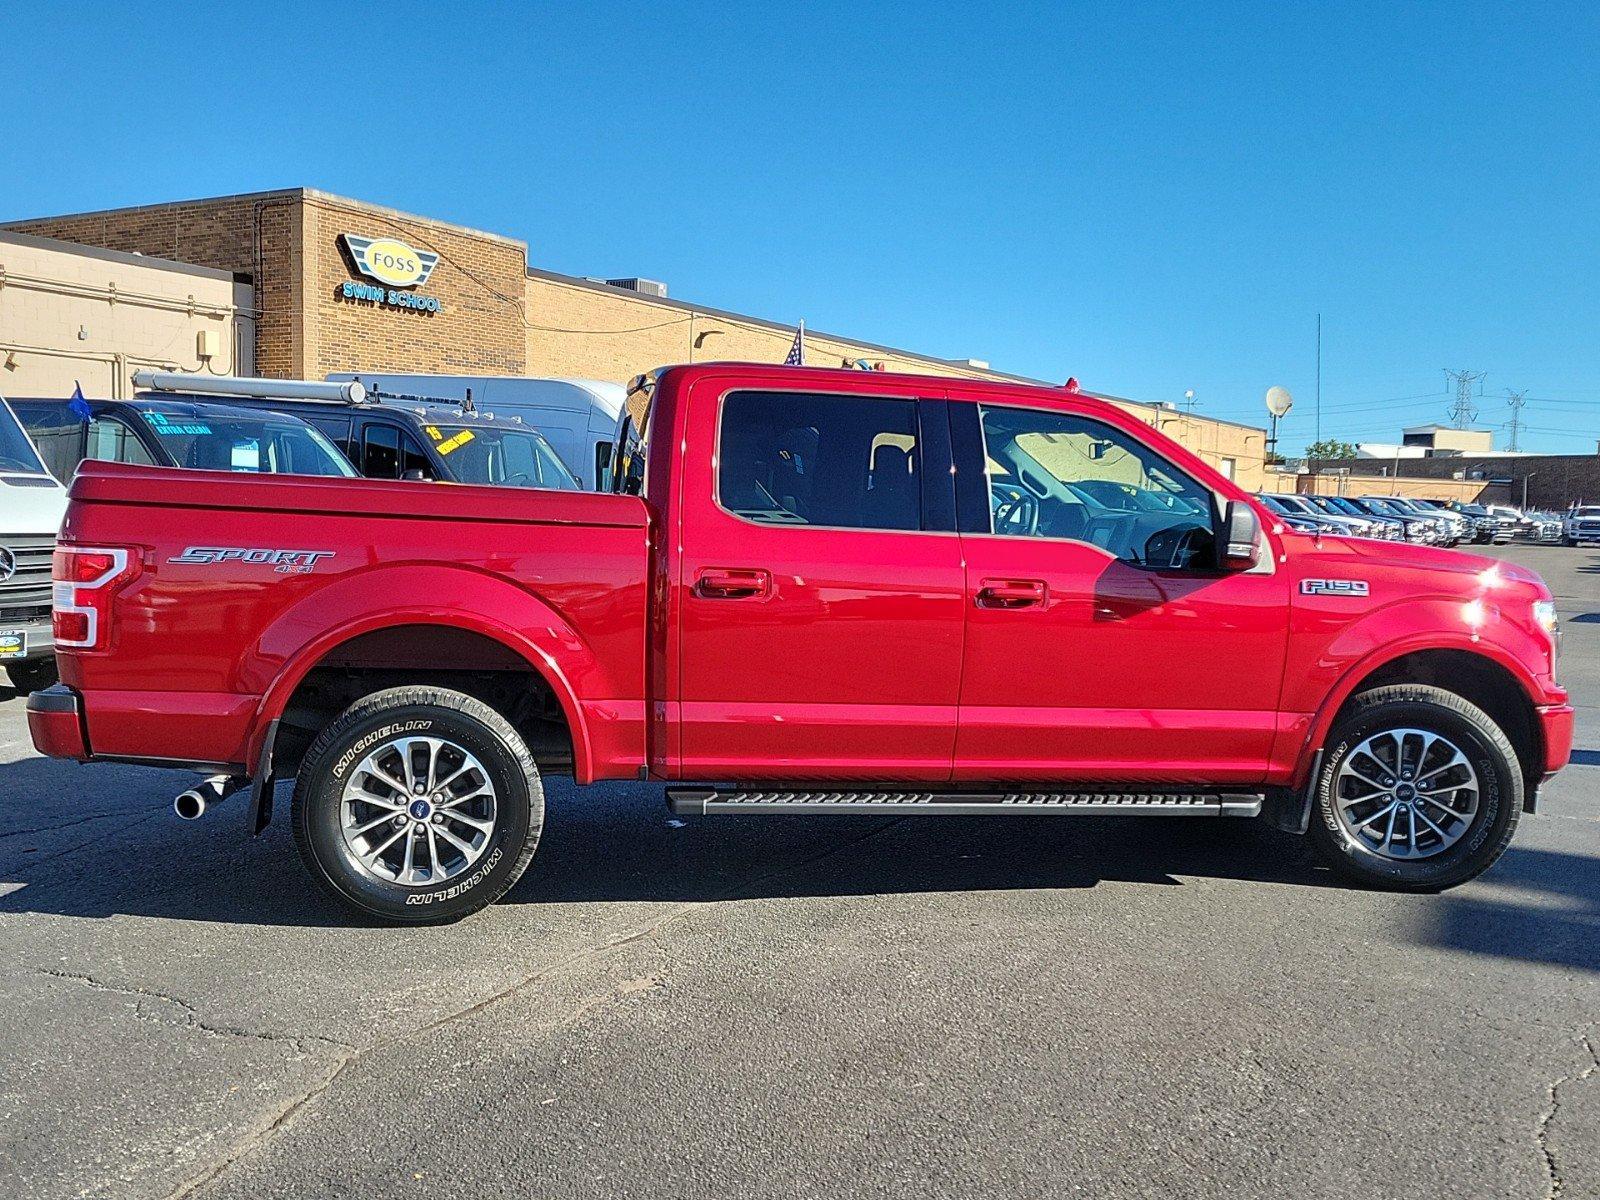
point(284, 562)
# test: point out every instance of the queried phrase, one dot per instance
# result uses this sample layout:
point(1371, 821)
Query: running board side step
point(700, 802)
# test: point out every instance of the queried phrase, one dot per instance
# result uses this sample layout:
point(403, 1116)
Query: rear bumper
point(55, 722)
point(1555, 720)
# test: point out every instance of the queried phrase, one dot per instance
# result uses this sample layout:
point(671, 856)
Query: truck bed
point(218, 625)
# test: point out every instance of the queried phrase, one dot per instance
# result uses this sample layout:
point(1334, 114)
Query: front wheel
point(418, 805)
point(1419, 790)
point(32, 676)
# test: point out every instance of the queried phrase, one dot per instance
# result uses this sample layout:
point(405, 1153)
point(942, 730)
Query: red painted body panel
point(852, 655)
point(202, 657)
point(847, 662)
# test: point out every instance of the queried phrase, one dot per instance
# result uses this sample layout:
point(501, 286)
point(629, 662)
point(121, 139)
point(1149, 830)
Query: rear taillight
point(85, 579)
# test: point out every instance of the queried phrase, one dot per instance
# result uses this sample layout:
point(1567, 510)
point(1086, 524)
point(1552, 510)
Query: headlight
point(1544, 615)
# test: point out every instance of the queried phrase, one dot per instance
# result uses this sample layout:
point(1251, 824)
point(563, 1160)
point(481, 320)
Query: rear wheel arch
point(411, 648)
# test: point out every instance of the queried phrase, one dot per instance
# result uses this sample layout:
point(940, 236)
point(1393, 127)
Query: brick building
point(342, 285)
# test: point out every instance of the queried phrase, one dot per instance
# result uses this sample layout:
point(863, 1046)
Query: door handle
point(732, 583)
point(1012, 593)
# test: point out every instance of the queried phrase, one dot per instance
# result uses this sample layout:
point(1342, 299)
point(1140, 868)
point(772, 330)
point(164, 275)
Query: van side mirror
point(1239, 545)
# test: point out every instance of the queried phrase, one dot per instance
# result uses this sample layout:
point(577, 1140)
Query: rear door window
point(796, 458)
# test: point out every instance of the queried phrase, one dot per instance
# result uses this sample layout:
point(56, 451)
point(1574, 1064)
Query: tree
point(1330, 448)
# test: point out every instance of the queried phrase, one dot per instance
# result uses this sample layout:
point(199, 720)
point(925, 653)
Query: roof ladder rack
point(353, 392)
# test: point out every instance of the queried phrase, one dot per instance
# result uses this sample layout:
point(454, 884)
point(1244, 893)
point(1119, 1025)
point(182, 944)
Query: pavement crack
point(30, 861)
point(355, 1054)
point(190, 1017)
point(15, 833)
point(1553, 1098)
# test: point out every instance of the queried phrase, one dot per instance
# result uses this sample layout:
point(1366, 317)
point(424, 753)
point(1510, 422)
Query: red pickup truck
point(816, 591)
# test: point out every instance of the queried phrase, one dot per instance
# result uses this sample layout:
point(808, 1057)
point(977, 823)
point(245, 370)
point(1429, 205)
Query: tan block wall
point(1467, 491)
point(615, 335)
point(131, 317)
point(258, 235)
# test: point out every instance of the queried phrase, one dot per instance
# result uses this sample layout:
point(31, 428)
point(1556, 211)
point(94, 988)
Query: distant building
point(1444, 439)
point(1431, 441)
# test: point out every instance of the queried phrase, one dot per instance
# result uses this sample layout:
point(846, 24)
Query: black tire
point(1480, 740)
point(32, 676)
point(316, 812)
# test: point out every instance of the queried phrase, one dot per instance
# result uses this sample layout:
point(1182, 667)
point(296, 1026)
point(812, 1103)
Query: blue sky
point(1149, 197)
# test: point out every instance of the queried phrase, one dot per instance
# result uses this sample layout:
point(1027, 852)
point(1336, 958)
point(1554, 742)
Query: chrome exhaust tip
point(194, 803)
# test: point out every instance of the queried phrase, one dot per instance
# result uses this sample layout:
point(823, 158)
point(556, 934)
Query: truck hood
point(31, 504)
point(1447, 571)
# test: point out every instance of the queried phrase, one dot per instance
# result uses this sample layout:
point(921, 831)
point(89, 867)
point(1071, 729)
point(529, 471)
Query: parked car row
point(1431, 522)
point(328, 429)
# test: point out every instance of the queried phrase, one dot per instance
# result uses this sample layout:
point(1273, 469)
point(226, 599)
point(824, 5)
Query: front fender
point(1388, 634)
point(410, 594)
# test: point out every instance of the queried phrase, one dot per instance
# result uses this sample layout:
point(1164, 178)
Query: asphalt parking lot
point(793, 1007)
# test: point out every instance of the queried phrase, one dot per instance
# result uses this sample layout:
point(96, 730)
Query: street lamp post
point(1525, 479)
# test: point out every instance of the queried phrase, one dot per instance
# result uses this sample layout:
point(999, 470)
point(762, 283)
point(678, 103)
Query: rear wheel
point(418, 805)
point(1419, 790)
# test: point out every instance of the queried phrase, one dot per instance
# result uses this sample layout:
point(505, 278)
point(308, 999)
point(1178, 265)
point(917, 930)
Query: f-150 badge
point(284, 562)
point(1334, 587)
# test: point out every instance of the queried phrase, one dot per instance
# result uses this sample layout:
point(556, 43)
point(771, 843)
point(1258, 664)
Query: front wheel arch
point(1477, 677)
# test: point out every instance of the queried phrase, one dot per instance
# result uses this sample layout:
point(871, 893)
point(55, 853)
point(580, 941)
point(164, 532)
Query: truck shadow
point(102, 847)
point(95, 851)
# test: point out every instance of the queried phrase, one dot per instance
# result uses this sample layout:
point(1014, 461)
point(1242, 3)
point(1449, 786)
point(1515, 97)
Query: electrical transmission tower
point(1514, 426)
point(1463, 412)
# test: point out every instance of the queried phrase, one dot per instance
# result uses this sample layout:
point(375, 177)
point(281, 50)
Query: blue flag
point(78, 406)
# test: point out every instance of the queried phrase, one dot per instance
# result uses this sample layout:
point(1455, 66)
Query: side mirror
point(414, 475)
point(1239, 545)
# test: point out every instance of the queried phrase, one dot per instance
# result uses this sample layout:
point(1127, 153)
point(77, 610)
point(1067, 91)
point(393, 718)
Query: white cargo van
point(32, 505)
point(578, 417)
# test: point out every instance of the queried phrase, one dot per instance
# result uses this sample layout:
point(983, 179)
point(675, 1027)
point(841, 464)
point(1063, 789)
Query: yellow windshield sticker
point(433, 432)
point(455, 443)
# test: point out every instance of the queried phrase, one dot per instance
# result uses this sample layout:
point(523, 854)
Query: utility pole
point(1463, 412)
point(1319, 377)
point(1514, 427)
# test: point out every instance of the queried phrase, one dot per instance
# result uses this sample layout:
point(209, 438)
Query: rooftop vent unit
point(645, 287)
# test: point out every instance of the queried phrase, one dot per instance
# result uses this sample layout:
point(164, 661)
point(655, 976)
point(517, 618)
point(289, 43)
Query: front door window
point(1059, 475)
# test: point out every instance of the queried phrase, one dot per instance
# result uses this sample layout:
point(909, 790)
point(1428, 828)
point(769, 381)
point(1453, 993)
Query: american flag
point(797, 352)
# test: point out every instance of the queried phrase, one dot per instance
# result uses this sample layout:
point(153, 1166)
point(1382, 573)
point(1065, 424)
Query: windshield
point(16, 451)
point(235, 441)
point(1586, 511)
point(500, 456)
point(1388, 508)
point(1348, 507)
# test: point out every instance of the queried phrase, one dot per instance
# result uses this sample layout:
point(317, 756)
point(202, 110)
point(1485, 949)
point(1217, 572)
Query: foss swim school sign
point(396, 265)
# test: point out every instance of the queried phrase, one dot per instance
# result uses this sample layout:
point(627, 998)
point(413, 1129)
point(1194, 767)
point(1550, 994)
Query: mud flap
point(1289, 810)
point(261, 785)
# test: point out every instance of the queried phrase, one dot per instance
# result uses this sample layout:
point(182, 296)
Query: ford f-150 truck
point(817, 591)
